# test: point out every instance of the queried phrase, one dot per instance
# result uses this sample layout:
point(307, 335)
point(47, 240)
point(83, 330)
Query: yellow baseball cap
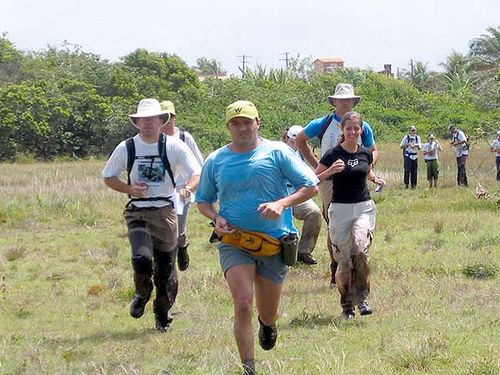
point(168, 106)
point(241, 108)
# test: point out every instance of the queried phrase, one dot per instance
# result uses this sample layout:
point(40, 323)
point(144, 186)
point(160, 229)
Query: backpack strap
point(162, 152)
point(182, 135)
point(130, 156)
point(326, 124)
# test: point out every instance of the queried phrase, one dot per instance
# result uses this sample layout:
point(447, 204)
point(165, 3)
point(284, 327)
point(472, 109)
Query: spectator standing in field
point(495, 147)
point(431, 149)
point(307, 211)
point(410, 144)
point(248, 179)
point(328, 131)
point(352, 214)
point(460, 142)
point(154, 162)
point(171, 129)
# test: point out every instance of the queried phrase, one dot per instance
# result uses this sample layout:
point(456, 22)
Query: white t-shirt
point(432, 149)
point(495, 145)
point(148, 167)
point(461, 149)
point(191, 143)
point(411, 144)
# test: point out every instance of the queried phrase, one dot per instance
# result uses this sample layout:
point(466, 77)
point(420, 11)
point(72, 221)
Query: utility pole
point(285, 59)
point(243, 62)
point(411, 70)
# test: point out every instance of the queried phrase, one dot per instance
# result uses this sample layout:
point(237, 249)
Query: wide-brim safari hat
point(149, 108)
point(344, 91)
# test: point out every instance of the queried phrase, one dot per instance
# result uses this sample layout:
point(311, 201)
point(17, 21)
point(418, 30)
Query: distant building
point(222, 76)
point(327, 64)
point(387, 70)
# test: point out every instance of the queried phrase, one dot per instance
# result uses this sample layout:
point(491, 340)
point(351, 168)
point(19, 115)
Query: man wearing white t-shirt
point(154, 163)
point(431, 149)
point(410, 144)
point(171, 129)
point(328, 131)
point(495, 147)
point(459, 142)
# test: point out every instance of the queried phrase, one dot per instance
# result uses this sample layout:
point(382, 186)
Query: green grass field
point(66, 284)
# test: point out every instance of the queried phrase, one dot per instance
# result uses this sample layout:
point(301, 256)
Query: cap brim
point(239, 115)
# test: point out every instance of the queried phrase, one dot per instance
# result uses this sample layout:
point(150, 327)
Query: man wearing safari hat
point(248, 179)
point(154, 164)
point(171, 129)
point(328, 131)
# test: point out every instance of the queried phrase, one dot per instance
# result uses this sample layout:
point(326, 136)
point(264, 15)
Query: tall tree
point(209, 67)
point(485, 51)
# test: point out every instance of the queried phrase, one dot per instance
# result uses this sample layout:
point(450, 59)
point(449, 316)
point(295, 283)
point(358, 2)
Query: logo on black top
point(352, 162)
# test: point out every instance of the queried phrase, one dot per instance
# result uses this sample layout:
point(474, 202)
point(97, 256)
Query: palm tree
point(485, 51)
point(457, 73)
point(456, 62)
point(418, 74)
point(209, 67)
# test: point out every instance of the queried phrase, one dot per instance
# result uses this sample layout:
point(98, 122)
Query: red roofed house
point(327, 64)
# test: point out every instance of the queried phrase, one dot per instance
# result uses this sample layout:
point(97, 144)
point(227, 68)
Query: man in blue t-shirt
point(327, 130)
point(248, 178)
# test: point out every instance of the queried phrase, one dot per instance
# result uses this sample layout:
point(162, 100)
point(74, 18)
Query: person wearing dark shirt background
point(352, 214)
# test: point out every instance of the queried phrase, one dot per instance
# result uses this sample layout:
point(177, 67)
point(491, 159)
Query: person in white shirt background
point(410, 144)
point(431, 149)
point(182, 215)
point(307, 211)
point(495, 147)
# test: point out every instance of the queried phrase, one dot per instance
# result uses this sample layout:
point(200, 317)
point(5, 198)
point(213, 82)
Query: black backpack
point(162, 154)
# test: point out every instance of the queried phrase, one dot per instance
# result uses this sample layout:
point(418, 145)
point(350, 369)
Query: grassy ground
point(66, 284)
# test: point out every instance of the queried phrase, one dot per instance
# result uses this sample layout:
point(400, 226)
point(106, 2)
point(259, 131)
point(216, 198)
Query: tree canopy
point(68, 102)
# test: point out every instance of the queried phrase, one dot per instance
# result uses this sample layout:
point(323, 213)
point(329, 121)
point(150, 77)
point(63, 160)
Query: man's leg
point(498, 167)
point(430, 177)
point(165, 279)
point(311, 214)
point(267, 298)
point(182, 245)
point(413, 172)
point(240, 279)
point(406, 167)
point(435, 172)
point(142, 254)
point(462, 174)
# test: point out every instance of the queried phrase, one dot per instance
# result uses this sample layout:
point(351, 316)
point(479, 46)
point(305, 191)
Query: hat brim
point(355, 97)
point(135, 116)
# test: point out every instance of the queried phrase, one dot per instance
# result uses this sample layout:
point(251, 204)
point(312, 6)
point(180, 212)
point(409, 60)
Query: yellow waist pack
point(254, 242)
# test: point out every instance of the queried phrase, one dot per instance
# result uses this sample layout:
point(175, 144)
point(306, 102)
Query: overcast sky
point(365, 33)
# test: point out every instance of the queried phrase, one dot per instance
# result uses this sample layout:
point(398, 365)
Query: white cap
point(293, 131)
